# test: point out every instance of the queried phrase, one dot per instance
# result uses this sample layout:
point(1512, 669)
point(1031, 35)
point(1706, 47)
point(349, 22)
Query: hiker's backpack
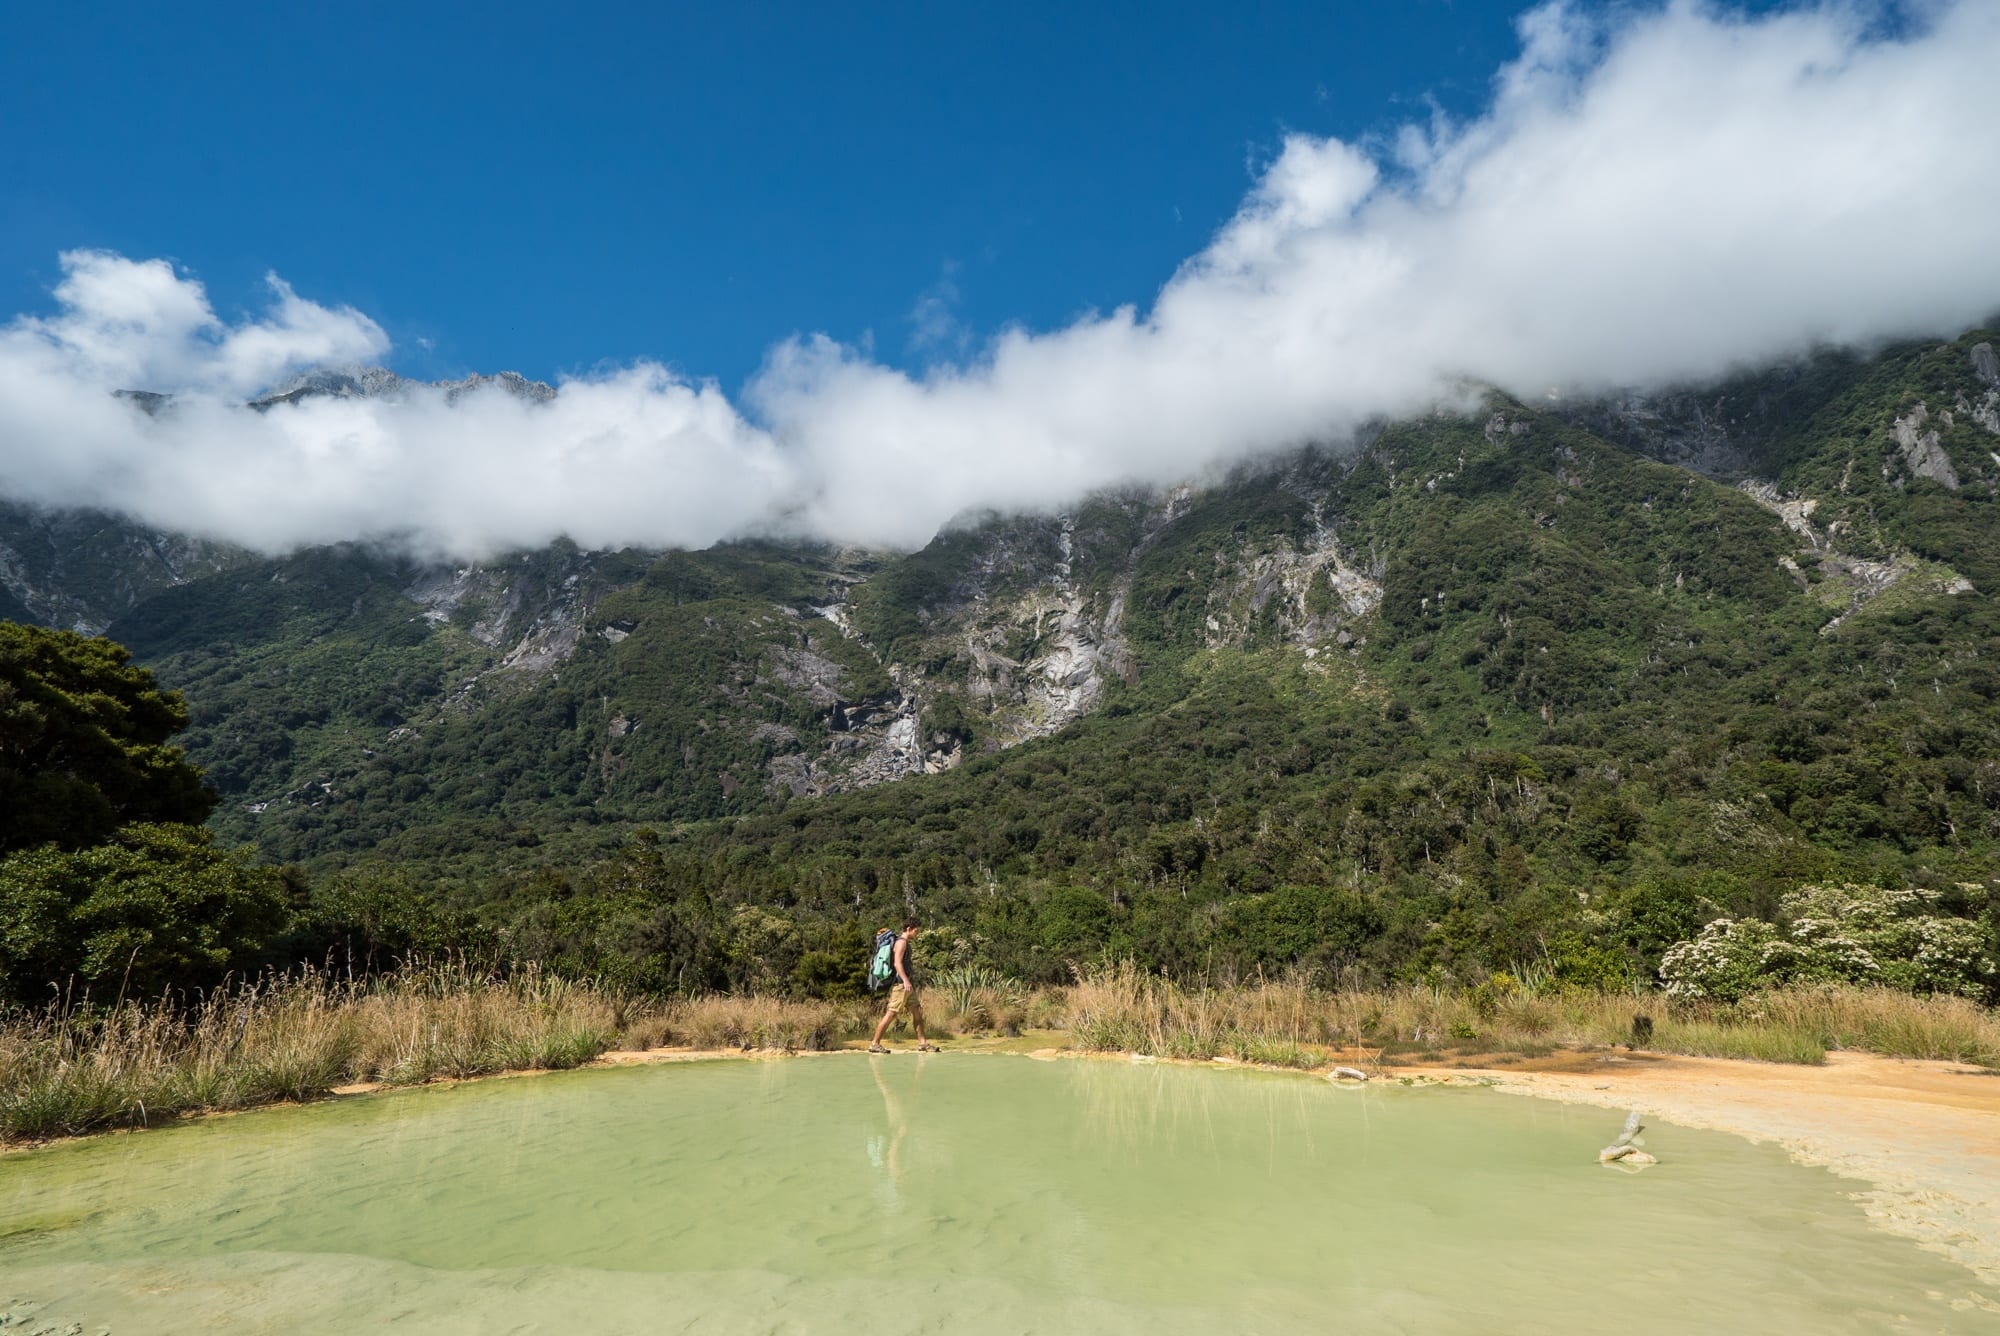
point(882, 965)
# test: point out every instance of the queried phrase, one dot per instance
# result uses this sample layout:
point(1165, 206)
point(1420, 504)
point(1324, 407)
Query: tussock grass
point(1290, 1023)
point(65, 1071)
point(68, 1071)
point(1756, 1041)
point(1879, 1020)
point(974, 999)
point(748, 1022)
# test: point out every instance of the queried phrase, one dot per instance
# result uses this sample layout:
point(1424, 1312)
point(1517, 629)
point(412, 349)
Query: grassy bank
point(66, 1071)
point(70, 1071)
point(1291, 1024)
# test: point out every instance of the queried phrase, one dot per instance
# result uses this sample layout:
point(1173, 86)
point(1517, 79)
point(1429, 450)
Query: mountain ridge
point(1471, 671)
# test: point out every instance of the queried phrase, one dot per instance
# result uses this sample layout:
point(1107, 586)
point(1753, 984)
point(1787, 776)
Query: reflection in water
point(1139, 1108)
point(885, 1151)
point(996, 1195)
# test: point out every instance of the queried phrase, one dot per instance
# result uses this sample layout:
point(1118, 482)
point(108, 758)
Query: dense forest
point(1517, 686)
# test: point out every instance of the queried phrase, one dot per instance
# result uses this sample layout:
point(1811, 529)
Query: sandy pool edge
point(1921, 1137)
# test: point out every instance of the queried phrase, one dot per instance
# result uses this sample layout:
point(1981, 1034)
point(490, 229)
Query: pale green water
point(956, 1193)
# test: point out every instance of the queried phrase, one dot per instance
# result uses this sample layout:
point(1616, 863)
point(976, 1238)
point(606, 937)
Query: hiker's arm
point(903, 962)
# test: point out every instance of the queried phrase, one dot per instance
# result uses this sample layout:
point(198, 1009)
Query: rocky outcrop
point(1314, 594)
point(1046, 661)
point(530, 609)
point(1024, 640)
point(82, 569)
point(811, 675)
point(1857, 584)
point(362, 382)
point(1040, 660)
point(869, 742)
point(1986, 410)
point(1922, 452)
point(1795, 512)
point(374, 382)
point(1986, 364)
point(1705, 432)
point(1846, 583)
point(549, 642)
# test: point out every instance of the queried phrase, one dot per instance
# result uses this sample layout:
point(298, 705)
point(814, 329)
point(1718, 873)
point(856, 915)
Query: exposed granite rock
point(818, 677)
point(1853, 583)
point(83, 569)
point(1702, 431)
point(1319, 591)
point(1921, 450)
point(1986, 364)
point(1796, 512)
point(1986, 410)
point(374, 382)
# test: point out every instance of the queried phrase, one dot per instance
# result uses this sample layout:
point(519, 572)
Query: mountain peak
point(375, 382)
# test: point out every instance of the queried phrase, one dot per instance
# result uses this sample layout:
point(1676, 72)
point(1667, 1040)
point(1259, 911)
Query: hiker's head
point(911, 927)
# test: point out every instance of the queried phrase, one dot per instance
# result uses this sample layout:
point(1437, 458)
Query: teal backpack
point(882, 966)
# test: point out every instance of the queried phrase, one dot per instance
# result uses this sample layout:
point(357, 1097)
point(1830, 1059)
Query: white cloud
point(935, 329)
point(1662, 196)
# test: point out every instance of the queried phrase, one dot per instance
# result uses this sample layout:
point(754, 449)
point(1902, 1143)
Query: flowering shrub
point(1843, 933)
point(1726, 960)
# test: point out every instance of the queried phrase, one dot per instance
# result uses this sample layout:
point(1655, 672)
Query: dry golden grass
point(724, 1022)
point(1292, 1024)
point(64, 1072)
point(295, 1038)
point(1878, 1020)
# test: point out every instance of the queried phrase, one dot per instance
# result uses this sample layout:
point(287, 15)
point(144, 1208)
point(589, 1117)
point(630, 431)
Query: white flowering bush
point(1726, 960)
point(1844, 933)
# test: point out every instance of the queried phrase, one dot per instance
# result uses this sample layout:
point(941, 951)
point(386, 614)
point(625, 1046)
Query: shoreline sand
point(1922, 1139)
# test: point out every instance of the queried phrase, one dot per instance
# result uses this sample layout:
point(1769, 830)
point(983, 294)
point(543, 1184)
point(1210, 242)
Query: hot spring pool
point(953, 1193)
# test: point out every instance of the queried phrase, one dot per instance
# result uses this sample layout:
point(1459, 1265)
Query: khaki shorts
point(903, 1002)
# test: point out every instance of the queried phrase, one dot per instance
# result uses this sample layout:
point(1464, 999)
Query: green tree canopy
point(159, 907)
point(84, 742)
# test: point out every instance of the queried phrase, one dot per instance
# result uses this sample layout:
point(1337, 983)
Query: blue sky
point(551, 187)
point(851, 271)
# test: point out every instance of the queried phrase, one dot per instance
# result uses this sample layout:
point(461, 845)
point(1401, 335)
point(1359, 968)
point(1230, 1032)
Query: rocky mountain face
point(376, 382)
point(344, 696)
point(82, 570)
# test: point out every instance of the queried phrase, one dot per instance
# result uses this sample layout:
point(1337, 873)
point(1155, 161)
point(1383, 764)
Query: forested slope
point(1495, 689)
point(1552, 682)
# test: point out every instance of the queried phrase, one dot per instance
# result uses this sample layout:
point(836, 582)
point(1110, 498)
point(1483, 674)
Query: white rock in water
point(1625, 1150)
point(1347, 1074)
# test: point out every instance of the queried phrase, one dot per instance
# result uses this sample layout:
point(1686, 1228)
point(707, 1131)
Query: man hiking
point(903, 997)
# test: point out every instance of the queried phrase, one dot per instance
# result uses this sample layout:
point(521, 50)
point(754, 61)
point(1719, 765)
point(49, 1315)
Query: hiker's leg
point(897, 997)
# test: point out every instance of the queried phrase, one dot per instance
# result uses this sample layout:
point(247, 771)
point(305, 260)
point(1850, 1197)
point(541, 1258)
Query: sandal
point(877, 1048)
point(927, 1048)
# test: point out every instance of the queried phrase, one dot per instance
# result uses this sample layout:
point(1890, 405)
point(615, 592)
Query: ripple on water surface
point(953, 1193)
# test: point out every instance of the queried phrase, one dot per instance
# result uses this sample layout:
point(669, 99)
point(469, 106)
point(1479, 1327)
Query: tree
point(84, 743)
point(159, 907)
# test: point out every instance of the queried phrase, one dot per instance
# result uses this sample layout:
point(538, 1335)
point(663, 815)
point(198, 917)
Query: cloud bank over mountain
point(1662, 196)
